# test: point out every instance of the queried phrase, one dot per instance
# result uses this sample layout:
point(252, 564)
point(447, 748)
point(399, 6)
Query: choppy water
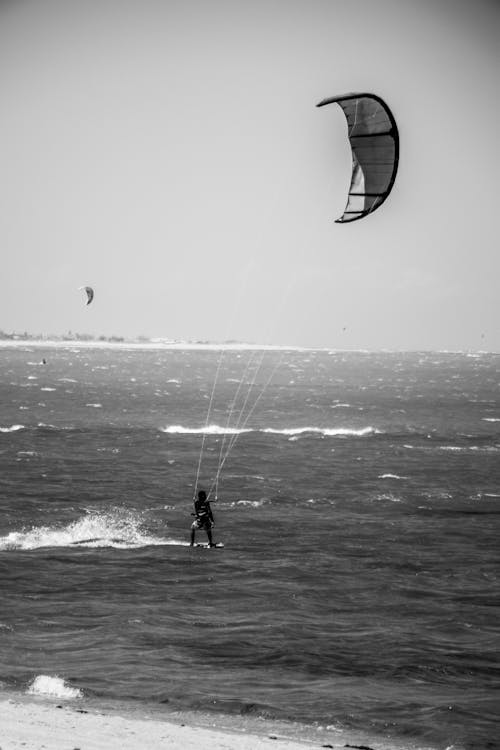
point(359, 507)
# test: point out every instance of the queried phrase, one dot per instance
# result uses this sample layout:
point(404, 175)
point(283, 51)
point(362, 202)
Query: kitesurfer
point(203, 517)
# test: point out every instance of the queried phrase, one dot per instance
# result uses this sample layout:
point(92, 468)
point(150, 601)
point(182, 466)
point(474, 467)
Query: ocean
point(358, 501)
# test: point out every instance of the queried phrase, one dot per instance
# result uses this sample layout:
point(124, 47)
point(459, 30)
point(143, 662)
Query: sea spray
point(117, 528)
point(55, 687)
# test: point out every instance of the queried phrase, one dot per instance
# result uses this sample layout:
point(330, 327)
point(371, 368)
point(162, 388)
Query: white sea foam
point(390, 476)
point(116, 528)
point(214, 429)
point(95, 406)
point(53, 686)
point(388, 496)
point(12, 428)
point(491, 419)
point(47, 389)
point(251, 503)
point(325, 431)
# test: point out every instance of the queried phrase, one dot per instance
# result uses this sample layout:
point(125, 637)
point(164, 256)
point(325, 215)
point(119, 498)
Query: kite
point(90, 293)
point(374, 139)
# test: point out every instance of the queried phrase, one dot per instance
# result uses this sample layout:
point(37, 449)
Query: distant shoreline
point(181, 345)
point(160, 345)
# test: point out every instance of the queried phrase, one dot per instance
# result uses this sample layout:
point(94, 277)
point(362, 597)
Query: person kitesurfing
point(204, 518)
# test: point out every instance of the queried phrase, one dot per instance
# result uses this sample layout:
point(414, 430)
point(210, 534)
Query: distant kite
point(374, 139)
point(90, 293)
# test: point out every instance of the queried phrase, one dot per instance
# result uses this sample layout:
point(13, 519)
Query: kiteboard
point(205, 545)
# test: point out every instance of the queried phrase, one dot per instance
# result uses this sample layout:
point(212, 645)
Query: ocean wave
point(53, 686)
point(324, 431)
point(211, 429)
point(390, 476)
point(490, 419)
point(214, 429)
point(387, 496)
point(12, 428)
point(116, 528)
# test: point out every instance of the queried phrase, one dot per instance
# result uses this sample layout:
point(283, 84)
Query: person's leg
point(209, 534)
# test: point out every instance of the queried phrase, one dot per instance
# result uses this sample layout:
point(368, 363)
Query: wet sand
point(40, 724)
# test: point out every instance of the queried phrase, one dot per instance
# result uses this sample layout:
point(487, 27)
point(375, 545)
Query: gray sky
point(170, 154)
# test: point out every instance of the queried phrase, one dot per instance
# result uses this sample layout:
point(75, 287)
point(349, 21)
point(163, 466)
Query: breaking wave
point(325, 431)
point(214, 429)
point(12, 428)
point(52, 686)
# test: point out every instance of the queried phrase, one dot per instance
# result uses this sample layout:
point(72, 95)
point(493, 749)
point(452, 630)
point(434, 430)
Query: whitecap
point(390, 476)
point(52, 686)
point(251, 503)
point(388, 496)
point(12, 428)
point(95, 406)
point(212, 429)
point(491, 419)
point(325, 431)
point(47, 389)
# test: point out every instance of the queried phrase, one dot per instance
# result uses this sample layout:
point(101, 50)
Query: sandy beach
point(39, 724)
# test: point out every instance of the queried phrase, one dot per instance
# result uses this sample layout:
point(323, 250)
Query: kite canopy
point(374, 139)
point(90, 293)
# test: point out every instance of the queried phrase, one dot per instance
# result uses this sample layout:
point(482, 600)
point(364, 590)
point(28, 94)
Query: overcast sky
point(169, 153)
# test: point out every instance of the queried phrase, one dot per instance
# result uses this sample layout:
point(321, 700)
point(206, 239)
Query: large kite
point(374, 139)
